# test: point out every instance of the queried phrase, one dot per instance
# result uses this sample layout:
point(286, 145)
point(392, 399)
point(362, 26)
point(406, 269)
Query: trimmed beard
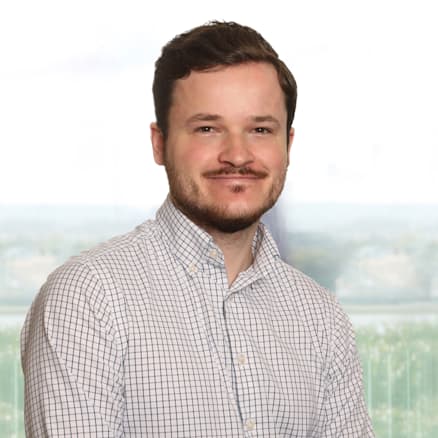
point(185, 193)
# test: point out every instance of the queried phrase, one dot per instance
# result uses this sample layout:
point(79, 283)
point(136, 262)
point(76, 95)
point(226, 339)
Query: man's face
point(226, 154)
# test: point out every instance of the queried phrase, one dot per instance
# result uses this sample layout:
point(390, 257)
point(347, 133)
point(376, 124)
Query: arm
point(72, 359)
point(345, 410)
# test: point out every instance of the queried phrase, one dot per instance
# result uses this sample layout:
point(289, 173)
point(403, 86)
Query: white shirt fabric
point(143, 337)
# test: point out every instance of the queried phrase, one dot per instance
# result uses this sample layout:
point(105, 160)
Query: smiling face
point(227, 152)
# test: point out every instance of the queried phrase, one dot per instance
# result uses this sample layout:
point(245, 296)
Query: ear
point(157, 140)
point(289, 145)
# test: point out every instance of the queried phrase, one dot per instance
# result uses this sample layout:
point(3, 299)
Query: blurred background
point(359, 212)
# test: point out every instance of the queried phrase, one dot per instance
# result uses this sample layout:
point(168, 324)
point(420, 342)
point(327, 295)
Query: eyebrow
point(203, 117)
point(264, 119)
point(207, 117)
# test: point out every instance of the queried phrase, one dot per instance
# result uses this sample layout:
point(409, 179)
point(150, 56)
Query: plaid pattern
point(143, 337)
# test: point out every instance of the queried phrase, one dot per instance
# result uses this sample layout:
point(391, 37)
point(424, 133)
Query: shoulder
point(88, 282)
point(119, 246)
point(304, 290)
point(103, 264)
point(314, 305)
point(90, 269)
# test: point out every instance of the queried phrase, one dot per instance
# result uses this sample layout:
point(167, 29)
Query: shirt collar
point(193, 246)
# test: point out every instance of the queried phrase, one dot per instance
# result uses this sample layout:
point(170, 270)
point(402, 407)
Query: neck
point(236, 248)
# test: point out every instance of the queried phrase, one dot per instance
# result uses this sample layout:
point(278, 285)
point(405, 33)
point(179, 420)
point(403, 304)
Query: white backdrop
point(75, 105)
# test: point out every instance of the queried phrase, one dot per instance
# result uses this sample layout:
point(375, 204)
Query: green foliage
point(401, 379)
point(11, 385)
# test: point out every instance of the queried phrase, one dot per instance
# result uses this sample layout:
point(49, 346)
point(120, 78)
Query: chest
point(193, 348)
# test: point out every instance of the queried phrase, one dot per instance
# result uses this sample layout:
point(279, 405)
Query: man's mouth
point(235, 173)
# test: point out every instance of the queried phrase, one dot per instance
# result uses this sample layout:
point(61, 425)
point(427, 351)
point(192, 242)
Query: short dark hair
point(211, 45)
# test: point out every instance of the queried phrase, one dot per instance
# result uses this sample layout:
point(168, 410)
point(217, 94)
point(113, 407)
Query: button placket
point(241, 357)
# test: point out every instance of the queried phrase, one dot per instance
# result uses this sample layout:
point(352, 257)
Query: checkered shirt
point(143, 337)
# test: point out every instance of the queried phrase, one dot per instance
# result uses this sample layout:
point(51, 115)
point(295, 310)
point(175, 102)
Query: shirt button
point(193, 268)
point(241, 359)
point(250, 424)
point(213, 253)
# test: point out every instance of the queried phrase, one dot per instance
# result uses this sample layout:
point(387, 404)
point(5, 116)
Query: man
point(191, 325)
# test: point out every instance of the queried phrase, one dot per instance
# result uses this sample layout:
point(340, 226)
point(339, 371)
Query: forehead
point(244, 88)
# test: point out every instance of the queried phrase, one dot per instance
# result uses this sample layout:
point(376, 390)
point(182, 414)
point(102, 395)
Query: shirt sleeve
point(345, 410)
point(72, 359)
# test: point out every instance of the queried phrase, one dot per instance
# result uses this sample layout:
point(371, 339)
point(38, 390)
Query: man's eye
point(205, 129)
point(262, 130)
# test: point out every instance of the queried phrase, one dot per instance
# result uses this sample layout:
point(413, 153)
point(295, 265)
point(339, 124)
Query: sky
point(76, 101)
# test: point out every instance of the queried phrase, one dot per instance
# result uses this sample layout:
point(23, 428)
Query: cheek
point(189, 164)
point(197, 159)
point(276, 161)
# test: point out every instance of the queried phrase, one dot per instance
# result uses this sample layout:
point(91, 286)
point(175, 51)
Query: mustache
point(231, 170)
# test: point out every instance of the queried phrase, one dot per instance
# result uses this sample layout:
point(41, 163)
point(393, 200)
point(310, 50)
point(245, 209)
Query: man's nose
point(236, 151)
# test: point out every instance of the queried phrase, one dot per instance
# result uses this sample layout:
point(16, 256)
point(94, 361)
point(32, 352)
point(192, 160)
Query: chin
point(230, 219)
point(225, 211)
point(230, 223)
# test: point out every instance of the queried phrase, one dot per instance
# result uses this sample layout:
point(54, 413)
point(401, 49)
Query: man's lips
point(234, 177)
